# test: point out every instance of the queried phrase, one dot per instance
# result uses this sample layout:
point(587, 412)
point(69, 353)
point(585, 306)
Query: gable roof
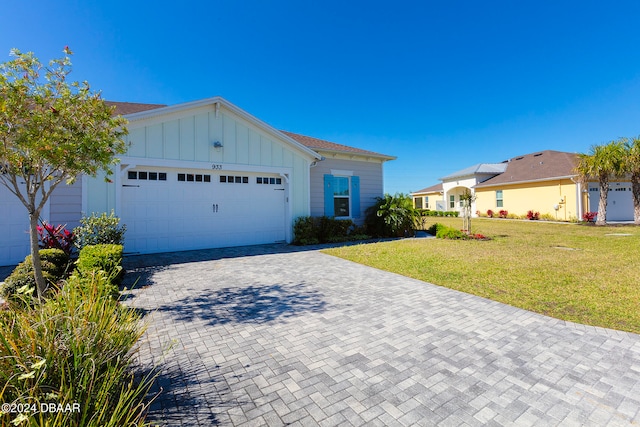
point(433, 189)
point(540, 166)
point(124, 108)
point(128, 108)
point(322, 145)
point(477, 169)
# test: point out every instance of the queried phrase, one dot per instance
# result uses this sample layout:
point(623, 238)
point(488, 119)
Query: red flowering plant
point(531, 215)
point(490, 213)
point(503, 213)
point(58, 237)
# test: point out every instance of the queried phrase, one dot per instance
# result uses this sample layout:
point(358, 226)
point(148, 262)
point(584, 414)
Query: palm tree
point(633, 168)
point(603, 162)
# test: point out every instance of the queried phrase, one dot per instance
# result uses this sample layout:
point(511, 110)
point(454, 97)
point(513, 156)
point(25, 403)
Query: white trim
point(186, 164)
point(504, 184)
point(337, 172)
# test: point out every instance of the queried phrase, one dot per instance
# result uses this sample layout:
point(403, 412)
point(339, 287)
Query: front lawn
point(583, 274)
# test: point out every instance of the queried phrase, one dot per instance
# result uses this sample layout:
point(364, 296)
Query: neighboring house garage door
point(170, 209)
point(15, 228)
point(619, 201)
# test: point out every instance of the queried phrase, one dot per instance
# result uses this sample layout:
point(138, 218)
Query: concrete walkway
point(272, 336)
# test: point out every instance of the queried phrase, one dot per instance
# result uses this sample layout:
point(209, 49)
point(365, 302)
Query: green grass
point(567, 271)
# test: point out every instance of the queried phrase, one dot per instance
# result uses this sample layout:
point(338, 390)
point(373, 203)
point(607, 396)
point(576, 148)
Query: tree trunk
point(41, 284)
point(602, 204)
point(635, 189)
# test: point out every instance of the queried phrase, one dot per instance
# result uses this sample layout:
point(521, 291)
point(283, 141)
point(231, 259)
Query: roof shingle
point(538, 166)
point(124, 108)
point(320, 144)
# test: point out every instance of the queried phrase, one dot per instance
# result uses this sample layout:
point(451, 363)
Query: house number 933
point(216, 167)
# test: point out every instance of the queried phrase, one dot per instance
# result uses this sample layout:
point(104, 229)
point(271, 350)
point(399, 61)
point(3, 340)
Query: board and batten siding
point(66, 205)
point(188, 136)
point(371, 183)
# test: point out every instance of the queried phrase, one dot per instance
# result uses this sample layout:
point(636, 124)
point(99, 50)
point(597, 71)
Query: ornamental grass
point(68, 361)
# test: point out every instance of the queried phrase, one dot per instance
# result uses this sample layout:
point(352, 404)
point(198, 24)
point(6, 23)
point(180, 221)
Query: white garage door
point(14, 221)
point(619, 201)
point(169, 209)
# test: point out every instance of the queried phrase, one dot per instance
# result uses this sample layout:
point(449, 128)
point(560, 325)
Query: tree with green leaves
point(51, 131)
point(632, 167)
point(603, 162)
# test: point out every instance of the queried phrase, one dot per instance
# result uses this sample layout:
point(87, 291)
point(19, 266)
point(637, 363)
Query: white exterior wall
point(457, 188)
point(185, 138)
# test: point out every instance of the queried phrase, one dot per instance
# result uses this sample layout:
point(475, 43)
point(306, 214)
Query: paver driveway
point(303, 338)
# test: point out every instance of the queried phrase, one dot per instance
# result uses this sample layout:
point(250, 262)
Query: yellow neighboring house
point(543, 182)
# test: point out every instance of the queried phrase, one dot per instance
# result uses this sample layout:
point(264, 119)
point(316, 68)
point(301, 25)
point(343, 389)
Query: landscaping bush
point(98, 230)
point(105, 258)
point(503, 213)
point(445, 232)
point(490, 213)
point(304, 231)
point(74, 351)
point(55, 264)
point(442, 231)
point(533, 216)
point(313, 230)
point(392, 216)
point(433, 229)
point(589, 216)
point(55, 237)
point(547, 217)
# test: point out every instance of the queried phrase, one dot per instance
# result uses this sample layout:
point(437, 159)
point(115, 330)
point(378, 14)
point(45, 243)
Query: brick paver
point(268, 336)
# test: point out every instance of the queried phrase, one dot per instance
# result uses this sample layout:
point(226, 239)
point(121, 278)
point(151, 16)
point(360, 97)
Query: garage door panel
point(202, 213)
point(619, 201)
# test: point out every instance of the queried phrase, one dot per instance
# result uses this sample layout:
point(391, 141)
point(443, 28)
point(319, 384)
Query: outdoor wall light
point(217, 145)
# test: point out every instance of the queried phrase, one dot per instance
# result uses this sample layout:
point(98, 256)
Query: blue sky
point(442, 85)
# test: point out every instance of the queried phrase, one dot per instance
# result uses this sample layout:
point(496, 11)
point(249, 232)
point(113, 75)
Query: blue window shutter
point(328, 195)
point(355, 197)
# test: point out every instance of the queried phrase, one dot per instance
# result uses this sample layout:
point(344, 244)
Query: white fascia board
point(357, 156)
point(312, 155)
point(503, 184)
point(186, 164)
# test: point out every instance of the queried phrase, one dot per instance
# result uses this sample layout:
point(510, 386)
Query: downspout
point(579, 201)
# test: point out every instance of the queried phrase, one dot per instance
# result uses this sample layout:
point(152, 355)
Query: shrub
point(313, 230)
point(589, 216)
point(55, 237)
point(531, 215)
point(55, 263)
point(76, 349)
point(304, 231)
point(105, 258)
point(433, 230)
point(445, 232)
point(441, 231)
point(503, 213)
point(490, 213)
point(98, 230)
point(392, 216)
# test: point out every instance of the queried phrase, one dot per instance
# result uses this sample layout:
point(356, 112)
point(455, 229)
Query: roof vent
point(519, 158)
point(537, 154)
